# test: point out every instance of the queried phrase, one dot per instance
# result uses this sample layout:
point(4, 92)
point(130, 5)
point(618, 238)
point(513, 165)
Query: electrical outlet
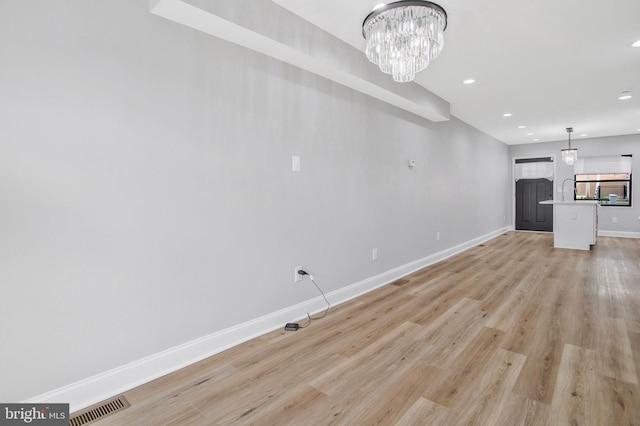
point(297, 276)
point(295, 163)
point(614, 219)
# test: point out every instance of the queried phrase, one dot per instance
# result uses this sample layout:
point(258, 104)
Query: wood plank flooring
point(512, 332)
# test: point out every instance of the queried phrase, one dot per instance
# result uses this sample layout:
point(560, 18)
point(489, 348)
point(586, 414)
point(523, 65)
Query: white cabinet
point(575, 224)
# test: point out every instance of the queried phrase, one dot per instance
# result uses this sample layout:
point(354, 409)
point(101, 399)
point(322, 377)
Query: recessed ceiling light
point(521, 127)
point(529, 134)
point(636, 44)
point(584, 134)
point(508, 114)
point(536, 140)
point(469, 81)
point(624, 97)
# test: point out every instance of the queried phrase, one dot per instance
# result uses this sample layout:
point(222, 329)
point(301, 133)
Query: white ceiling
point(551, 63)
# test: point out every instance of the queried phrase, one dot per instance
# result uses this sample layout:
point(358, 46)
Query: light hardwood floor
point(507, 333)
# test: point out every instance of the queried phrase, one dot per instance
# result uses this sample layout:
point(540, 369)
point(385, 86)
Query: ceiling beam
point(270, 29)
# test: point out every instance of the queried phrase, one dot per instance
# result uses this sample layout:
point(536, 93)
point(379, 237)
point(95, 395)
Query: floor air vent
point(99, 411)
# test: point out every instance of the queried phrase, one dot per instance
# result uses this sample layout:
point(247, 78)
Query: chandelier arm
point(404, 3)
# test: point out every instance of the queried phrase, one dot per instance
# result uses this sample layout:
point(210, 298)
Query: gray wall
point(628, 217)
point(147, 197)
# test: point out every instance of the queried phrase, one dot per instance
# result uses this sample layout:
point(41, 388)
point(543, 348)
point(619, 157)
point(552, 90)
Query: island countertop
point(575, 223)
point(587, 202)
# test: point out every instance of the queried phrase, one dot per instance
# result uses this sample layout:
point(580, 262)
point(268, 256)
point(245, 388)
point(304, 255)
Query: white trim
point(358, 289)
point(618, 234)
point(118, 380)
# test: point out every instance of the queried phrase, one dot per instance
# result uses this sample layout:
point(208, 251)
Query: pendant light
point(570, 155)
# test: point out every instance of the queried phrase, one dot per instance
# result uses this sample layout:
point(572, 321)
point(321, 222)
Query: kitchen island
point(575, 224)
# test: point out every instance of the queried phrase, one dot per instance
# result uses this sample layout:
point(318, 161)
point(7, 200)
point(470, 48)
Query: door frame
point(513, 182)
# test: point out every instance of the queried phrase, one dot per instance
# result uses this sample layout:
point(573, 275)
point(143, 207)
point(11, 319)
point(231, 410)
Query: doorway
point(534, 183)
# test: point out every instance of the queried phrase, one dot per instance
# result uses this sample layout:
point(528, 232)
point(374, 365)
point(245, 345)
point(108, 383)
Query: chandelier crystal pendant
point(569, 155)
point(404, 36)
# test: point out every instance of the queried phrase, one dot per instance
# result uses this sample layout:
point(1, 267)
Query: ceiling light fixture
point(522, 127)
point(469, 81)
point(635, 44)
point(404, 36)
point(570, 155)
point(508, 114)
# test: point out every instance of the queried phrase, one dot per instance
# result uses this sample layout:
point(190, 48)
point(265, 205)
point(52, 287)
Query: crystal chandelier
point(404, 36)
point(570, 155)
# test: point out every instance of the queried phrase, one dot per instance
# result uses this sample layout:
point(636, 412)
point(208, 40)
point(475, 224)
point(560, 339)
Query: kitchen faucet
point(574, 190)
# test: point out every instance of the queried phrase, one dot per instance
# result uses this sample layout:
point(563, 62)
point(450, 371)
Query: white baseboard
point(350, 292)
point(619, 234)
point(110, 383)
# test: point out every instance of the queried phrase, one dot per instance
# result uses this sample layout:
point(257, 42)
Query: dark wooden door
point(530, 214)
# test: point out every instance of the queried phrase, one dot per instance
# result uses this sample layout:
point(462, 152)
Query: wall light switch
point(412, 163)
point(374, 254)
point(574, 216)
point(295, 163)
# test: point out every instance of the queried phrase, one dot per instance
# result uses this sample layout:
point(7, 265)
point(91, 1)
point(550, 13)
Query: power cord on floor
point(292, 326)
